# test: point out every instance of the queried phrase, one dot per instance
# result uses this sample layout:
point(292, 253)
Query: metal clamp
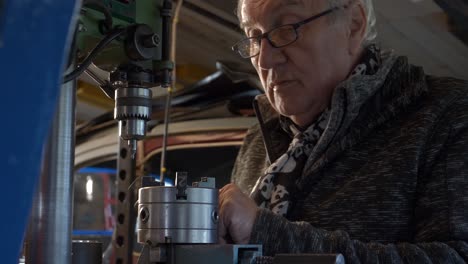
point(181, 185)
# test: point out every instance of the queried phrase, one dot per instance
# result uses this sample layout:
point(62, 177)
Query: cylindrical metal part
point(167, 119)
point(86, 252)
point(133, 92)
point(132, 109)
point(166, 14)
point(132, 129)
point(49, 235)
point(133, 102)
point(193, 220)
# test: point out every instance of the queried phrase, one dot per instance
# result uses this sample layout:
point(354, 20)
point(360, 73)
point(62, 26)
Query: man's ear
point(357, 27)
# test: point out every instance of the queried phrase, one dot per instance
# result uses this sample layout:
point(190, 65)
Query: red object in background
point(108, 202)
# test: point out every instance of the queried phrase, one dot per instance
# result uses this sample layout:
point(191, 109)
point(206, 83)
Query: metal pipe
point(167, 117)
point(51, 218)
point(168, 52)
point(105, 85)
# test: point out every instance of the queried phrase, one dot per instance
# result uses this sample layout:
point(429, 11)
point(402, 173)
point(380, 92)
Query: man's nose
point(269, 56)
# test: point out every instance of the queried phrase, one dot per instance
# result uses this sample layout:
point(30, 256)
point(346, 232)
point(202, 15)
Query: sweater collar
point(359, 103)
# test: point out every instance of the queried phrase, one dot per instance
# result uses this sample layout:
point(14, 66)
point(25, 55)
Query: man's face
point(299, 79)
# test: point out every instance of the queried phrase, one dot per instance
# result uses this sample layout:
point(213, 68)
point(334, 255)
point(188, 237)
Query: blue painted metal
point(104, 233)
point(34, 46)
point(97, 170)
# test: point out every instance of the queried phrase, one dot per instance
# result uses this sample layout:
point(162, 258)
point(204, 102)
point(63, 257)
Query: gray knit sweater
point(388, 184)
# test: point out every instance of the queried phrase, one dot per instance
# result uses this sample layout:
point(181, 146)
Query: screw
point(156, 40)
point(151, 41)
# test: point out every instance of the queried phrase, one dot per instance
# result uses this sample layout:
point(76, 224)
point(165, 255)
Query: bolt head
point(156, 40)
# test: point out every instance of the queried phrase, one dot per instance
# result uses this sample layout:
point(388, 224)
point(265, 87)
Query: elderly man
point(356, 152)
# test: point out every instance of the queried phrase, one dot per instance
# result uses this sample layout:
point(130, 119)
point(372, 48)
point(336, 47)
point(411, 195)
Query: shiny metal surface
point(133, 110)
point(185, 221)
point(133, 92)
point(132, 103)
point(173, 216)
point(168, 195)
point(132, 129)
point(179, 236)
point(51, 218)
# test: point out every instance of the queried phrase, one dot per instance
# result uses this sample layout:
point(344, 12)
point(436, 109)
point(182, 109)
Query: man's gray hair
point(371, 31)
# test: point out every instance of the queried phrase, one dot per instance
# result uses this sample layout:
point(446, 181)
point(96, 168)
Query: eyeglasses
point(278, 37)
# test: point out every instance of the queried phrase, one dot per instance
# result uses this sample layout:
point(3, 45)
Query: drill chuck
point(132, 110)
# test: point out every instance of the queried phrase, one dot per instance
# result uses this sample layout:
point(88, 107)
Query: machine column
point(49, 239)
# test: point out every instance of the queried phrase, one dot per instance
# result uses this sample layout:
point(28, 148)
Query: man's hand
point(237, 214)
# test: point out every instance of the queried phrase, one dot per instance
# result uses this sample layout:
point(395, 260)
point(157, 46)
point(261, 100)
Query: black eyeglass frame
point(295, 26)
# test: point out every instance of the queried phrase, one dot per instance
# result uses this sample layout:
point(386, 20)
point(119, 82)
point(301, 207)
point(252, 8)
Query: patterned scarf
point(272, 191)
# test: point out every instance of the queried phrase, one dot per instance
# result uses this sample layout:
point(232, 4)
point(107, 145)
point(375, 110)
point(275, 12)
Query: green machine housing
point(92, 28)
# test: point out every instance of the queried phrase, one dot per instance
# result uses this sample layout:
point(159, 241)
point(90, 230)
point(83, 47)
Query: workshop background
point(433, 34)
point(211, 107)
point(210, 111)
